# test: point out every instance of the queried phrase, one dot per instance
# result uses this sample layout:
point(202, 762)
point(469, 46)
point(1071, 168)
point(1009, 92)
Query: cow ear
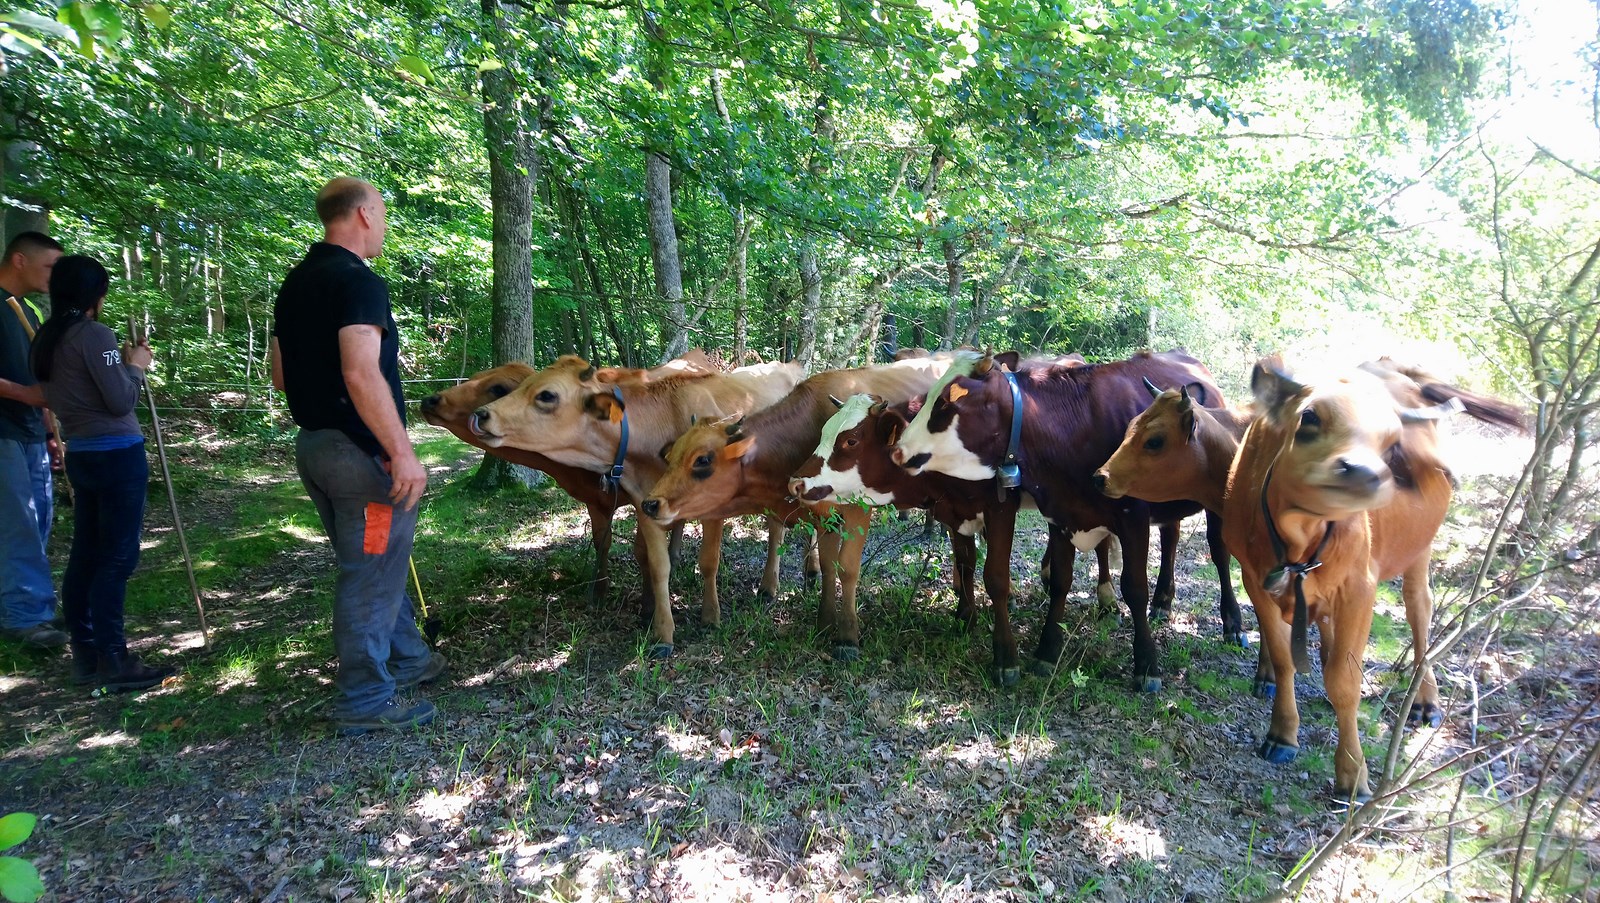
point(739, 448)
point(735, 427)
point(889, 427)
point(1011, 360)
point(1272, 385)
point(605, 406)
point(666, 450)
point(1198, 392)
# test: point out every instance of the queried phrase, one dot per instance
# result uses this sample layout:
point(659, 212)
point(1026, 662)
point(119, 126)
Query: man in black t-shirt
point(335, 354)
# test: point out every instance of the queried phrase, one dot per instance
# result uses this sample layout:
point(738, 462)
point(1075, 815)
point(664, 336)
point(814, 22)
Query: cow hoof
point(1278, 752)
point(1240, 639)
point(1148, 683)
point(661, 651)
point(1040, 668)
point(764, 597)
point(1424, 713)
point(1344, 801)
point(1160, 615)
point(1265, 689)
point(844, 652)
point(813, 580)
point(1007, 677)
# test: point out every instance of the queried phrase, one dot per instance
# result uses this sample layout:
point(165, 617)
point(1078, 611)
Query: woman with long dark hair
point(93, 386)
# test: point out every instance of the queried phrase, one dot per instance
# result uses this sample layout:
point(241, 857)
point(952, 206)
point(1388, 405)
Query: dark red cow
point(1071, 419)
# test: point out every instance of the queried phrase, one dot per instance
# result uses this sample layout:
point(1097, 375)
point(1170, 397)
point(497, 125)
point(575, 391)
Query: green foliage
point(19, 880)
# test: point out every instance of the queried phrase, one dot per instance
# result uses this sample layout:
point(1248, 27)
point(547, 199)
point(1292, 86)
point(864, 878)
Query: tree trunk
point(27, 213)
point(513, 172)
point(664, 252)
point(982, 295)
point(952, 293)
point(810, 272)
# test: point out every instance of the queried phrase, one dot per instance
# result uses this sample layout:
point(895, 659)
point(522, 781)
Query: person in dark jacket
point(93, 386)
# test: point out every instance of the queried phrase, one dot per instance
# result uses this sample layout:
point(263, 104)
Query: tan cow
point(566, 413)
point(743, 465)
point(453, 407)
point(1314, 476)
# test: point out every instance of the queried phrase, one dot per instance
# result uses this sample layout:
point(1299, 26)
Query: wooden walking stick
point(137, 337)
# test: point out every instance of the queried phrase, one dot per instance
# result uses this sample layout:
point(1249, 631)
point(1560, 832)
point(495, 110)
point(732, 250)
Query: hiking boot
point(431, 672)
point(40, 636)
point(393, 716)
point(123, 672)
point(85, 665)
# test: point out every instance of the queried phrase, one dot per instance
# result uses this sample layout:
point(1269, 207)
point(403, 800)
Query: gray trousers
point(374, 628)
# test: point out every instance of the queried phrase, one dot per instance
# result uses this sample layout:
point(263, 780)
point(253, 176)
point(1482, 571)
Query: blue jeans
point(108, 492)
point(27, 595)
point(374, 628)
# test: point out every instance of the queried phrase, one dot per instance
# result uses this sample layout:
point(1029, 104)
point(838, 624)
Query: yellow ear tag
point(956, 393)
point(615, 414)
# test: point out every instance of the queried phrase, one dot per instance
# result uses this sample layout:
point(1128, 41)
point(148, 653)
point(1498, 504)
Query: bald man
point(335, 354)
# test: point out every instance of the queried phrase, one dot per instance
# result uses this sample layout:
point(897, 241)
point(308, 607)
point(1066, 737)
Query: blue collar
point(1008, 475)
point(612, 479)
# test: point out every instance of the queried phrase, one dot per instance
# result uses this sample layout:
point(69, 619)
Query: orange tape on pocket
point(375, 540)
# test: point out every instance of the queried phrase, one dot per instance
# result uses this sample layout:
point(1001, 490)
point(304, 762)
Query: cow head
point(704, 471)
point(863, 428)
point(453, 407)
point(1333, 441)
point(1159, 459)
point(548, 409)
point(960, 409)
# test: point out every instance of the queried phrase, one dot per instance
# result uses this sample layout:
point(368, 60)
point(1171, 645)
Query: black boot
point(85, 664)
point(120, 672)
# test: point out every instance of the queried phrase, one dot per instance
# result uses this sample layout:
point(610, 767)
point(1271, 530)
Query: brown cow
point(565, 413)
point(1070, 419)
point(1314, 475)
point(453, 407)
point(852, 464)
point(743, 466)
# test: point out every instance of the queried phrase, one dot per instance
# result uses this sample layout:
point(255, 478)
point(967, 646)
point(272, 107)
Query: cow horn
point(692, 419)
point(1436, 412)
point(1151, 388)
point(735, 427)
point(1184, 401)
point(836, 402)
point(587, 374)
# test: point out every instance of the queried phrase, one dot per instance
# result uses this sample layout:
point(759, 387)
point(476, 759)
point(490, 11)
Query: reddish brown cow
point(1314, 476)
point(857, 442)
point(1070, 419)
point(565, 413)
point(453, 407)
point(743, 465)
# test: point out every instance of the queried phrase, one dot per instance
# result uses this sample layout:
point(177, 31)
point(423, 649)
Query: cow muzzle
point(816, 493)
point(482, 425)
point(1102, 482)
point(1359, 478)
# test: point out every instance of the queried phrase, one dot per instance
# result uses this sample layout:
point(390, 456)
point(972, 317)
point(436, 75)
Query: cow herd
point(1320, 489)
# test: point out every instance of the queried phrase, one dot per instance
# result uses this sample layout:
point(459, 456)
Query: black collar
point(1292, 573)
point(611, 479)
point(1009, 475)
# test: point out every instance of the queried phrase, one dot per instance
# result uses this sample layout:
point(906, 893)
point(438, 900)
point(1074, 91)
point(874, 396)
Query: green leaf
point(72, 16)
point(490, 65)
point(37, 23)
point(158, 15)
point(415, 65)
point(106, 20)
point(19, 880)
point(15, 828)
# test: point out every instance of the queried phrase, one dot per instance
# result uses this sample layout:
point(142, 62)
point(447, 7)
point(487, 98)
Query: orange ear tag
point(956, 394)
point(615, 414)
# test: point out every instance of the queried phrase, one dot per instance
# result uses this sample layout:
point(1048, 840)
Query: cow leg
point(1161, 599)
point(675, 544)
point(999, 528)
point(1232, 618)
point(828, 599)
point(1135, 537)
point(768, 593)
point(1419, 614)
point(647, 591)
point(660, 564)
point(846, 620)
point(965, 551)
point(1061, 556)
point(1104, 596)
point(813, 568)
point(710, 564)
point(1283, 733)
point(600, 517)
point(1341, 677)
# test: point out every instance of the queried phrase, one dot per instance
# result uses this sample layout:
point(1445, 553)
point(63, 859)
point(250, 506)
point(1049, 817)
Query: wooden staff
point(137, 337)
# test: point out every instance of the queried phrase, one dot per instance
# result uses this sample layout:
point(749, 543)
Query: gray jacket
point(92, 392)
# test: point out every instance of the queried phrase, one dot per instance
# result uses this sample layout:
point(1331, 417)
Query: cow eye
point(703, 462)
point(851, 442)
point(1310, 423)
point(546, 397)
point(498, 391)
point(1155, 443)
